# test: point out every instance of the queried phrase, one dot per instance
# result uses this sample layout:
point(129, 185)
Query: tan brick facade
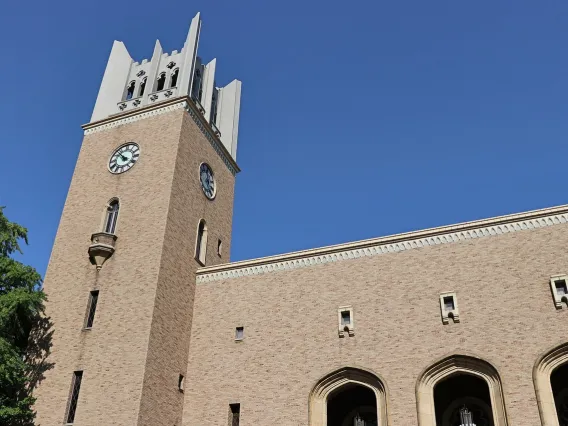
point(138, 345)
point(507, 318)
point(160, 315)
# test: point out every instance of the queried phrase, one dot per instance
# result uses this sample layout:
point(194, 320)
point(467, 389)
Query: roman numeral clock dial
point(124, 157)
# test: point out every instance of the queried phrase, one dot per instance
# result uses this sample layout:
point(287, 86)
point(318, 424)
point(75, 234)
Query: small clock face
point(207, 181)
point(124, 157)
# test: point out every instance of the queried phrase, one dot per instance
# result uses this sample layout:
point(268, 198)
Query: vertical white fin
point(228, 115)
point(208, 87)
point(189, 52)
point(153, 72)
point(114, 82)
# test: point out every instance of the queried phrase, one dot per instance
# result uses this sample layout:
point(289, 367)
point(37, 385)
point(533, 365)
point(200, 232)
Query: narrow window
point(130, 90)
point(91, 308)
point(345, 318)
point(201, 244)
point(561, 288)
point(219, 246)
point(161, 81)
point(181, 380)
point(73, 397)
point(214, 101)
point(239, 333)
point(174, 80)
point(142, 87)
point(234, 414)
point(449, 303)
point(196, 89)
point(111, 217)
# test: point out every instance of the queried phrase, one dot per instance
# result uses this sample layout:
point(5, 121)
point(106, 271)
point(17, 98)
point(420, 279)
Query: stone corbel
point(102, 247)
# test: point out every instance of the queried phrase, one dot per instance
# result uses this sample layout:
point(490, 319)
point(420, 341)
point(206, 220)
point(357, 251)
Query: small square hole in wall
point(561, 288)
point(449, 307)
point(449, 303)
point(181, 382)
point(345, 321)
point(239, 333)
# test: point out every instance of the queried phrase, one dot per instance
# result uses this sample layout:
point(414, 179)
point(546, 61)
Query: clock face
point(207, 181)
point(124, 158)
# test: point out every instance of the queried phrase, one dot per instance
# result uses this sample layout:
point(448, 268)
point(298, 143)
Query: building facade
point(458, 325)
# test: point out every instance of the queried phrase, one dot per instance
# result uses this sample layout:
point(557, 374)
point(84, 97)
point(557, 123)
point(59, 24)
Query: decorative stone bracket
point(101, 248)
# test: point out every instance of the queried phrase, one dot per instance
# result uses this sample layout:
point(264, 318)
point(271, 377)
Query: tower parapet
point(128, 85)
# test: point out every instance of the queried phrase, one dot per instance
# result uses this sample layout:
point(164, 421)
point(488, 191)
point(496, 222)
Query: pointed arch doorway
point(348, 397)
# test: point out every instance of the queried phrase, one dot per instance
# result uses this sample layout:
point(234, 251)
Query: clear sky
point(359, 119)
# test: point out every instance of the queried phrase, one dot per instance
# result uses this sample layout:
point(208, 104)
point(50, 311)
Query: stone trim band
point(162, 108)
point(390, 244)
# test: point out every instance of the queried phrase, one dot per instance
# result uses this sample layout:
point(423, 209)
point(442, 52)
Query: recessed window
point(449, 308)
point(239, 333)
point(449, 303)
point(161, 82)
point(130, 90)
point(91, 308)
point(142, 86)
point(73, 397)
point(219, 247)
point(181, 383)
point(345, 320)
point(234, 414)
point(174, 79)
point(201, 243)
point(559, 290)
point(111, 216)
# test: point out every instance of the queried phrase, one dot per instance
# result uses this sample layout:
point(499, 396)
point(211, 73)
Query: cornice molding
point(162, 108)
point(390, 244)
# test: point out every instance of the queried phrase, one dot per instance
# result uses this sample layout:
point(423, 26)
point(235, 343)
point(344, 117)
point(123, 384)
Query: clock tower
point(150, 202)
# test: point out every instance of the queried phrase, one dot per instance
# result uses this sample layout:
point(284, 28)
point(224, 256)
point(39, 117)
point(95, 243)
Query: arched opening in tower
point(559, 383)
point(352, 405)
point(463, 399)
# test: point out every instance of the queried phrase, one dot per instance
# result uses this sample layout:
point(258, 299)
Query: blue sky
point(358, 119)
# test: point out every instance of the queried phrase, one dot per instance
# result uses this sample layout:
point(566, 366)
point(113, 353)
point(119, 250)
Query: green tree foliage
point(25, 332)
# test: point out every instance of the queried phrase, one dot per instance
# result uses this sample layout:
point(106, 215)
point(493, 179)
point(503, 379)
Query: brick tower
point(150, 201)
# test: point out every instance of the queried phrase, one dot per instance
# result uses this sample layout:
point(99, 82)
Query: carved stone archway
point(452, 365)
point(339, 378)
point(542, 371)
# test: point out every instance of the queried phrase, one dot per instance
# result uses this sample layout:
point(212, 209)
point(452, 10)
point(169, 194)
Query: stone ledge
point(389, 244)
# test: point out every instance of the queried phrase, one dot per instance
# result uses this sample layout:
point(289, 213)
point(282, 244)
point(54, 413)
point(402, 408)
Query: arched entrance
point(460, 389)
point(551, 385)
point(559, 384)
point(352, 405)
point(348, 397)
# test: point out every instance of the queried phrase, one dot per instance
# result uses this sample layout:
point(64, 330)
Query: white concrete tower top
point(128, 85)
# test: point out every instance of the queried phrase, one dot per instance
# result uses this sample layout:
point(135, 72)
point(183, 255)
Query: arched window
point(460, 389)
point(201, 243)
point(174, 79)
point(161, 81)
point(550, 379)
point(349, 396)
point(142, 87)
point(130, 90)
point(111, 216)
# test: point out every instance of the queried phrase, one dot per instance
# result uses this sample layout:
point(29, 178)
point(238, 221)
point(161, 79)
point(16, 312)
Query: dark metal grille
point(74, 396)
point(234, 414)
point(93, 299)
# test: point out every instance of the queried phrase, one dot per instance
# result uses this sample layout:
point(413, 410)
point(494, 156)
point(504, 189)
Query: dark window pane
point(93, 298)
point(449, 303)
point(234, 414)
point(74, 396)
